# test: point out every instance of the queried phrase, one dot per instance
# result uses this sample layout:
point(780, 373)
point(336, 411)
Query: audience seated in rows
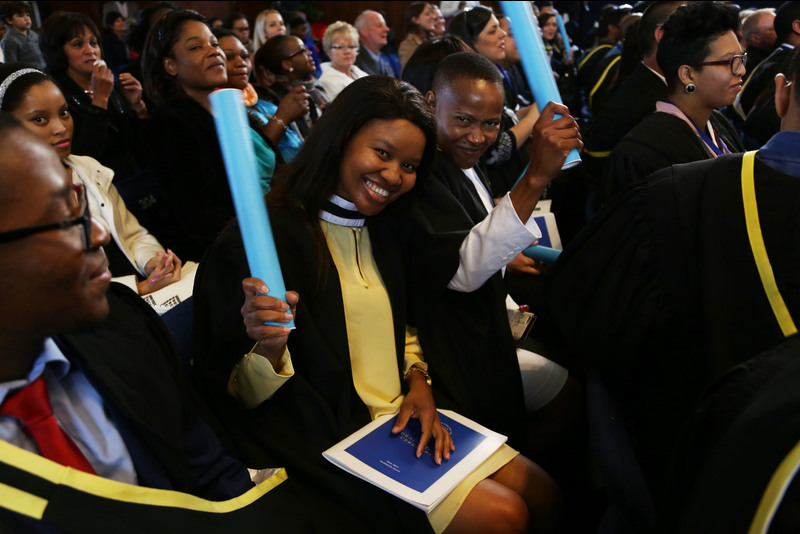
point(136, 258)
point(107, 118)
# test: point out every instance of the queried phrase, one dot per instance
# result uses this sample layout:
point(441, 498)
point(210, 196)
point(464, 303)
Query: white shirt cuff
point(491, 245)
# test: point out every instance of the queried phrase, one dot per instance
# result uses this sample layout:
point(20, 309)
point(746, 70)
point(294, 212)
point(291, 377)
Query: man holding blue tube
point(461, 243)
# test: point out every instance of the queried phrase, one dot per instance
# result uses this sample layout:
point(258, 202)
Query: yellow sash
point(31, 505)
point(759, 250)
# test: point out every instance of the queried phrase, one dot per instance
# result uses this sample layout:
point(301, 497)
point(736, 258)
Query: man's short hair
point(465, 65)
point(750, 23)
point(361, 19)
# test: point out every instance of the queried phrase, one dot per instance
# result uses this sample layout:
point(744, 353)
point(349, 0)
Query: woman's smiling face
point(380, 164)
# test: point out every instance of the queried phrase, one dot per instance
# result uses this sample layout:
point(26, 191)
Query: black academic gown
point(762, 120)
point(744, 427)
point(319, 406)
point(634, 100)
point(129, 359)
point(762, 79)
point(466, 336)
point(658, 141)
point(588, 63)
point(660, 292)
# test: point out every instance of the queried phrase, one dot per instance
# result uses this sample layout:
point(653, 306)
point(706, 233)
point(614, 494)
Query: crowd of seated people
point(401, 191)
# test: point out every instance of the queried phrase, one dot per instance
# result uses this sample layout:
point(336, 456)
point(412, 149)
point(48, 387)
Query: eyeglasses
point(736, 63)
point(84, 220)
point(302, 49)
point(342, 47)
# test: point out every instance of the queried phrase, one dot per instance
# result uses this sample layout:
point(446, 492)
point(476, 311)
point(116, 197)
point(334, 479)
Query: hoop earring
point(690, 88)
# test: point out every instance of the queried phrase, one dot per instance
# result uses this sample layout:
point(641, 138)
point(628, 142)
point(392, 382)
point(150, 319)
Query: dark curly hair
point(688, 34)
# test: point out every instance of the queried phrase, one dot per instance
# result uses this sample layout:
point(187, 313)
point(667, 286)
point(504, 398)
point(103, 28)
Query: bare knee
point(510, 515)
point(491, 508)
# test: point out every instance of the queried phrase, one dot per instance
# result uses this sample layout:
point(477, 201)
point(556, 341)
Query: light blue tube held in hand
point(534, 60)
point(233, 131)
point(540, 253)
point(564, 37)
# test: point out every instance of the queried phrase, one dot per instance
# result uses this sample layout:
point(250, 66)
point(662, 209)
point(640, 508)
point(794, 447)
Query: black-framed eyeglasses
point(84, 220)
point(301, 50)
point(736, 63)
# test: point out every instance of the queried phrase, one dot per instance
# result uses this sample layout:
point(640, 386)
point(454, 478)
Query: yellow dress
point(370, 335)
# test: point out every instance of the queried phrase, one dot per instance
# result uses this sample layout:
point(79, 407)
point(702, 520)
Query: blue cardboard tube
point(233, 131)
point(564, 37)
point(540, 253)
point(535, 62)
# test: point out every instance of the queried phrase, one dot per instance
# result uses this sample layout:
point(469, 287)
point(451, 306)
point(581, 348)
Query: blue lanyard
point(710, 142)
point(706, 139)
point(506, 77)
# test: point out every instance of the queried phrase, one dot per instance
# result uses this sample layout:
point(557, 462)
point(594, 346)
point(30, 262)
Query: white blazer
point(109, 209)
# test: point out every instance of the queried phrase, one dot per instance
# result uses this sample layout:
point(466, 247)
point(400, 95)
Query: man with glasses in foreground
point(96, 421)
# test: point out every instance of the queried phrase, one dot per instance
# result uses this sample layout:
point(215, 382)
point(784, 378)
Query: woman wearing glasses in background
point(703, 65)
point(283, 65)
point(340, 42)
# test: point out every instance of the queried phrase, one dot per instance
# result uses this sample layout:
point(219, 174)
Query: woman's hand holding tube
point(260, 308)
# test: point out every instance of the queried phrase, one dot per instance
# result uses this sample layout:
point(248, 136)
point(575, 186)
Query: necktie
point(31, 406)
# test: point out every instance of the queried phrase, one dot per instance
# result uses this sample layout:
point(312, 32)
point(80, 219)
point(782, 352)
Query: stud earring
point(291, 69)
point(690, 88)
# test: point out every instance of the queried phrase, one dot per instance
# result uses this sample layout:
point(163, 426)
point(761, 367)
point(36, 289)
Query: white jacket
point(107, 207)
point(333, 81)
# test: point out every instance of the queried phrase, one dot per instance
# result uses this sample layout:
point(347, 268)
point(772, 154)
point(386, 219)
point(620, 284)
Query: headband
point(11, 78)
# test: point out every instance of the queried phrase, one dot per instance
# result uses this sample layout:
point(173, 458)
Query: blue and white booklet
point(389, 460)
